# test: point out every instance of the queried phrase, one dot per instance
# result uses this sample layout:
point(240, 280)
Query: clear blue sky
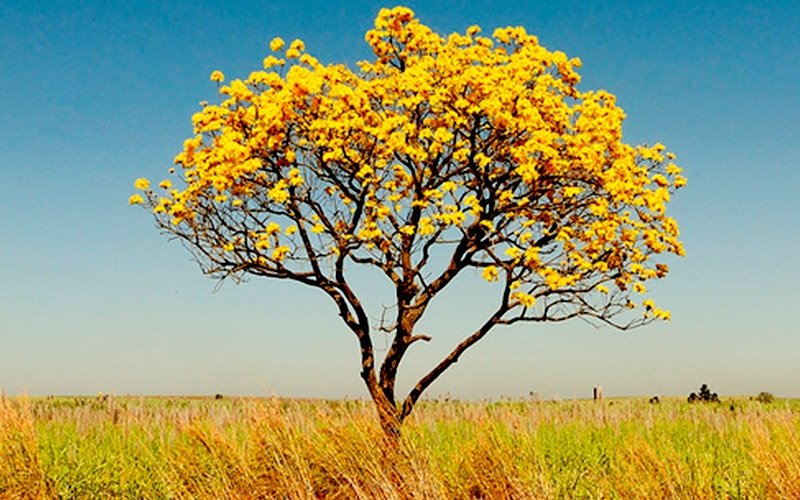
point(96, 93)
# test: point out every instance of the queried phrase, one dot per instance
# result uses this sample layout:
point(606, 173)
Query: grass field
point(270, 448)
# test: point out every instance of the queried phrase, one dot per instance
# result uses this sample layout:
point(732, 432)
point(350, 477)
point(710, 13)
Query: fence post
point(598, 393)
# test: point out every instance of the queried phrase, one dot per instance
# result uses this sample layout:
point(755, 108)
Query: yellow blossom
point(272, 61)
point(513, 252)
point(141, 183)
point(135, 199)
point(490, 273)
point(279, 194)
point(276, 44)
point(425, 226)
point(217, 76)
point(523, 298)
point(280, 252)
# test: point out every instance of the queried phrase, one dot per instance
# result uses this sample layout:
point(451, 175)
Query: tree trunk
point(388, 413)
point(390, 422)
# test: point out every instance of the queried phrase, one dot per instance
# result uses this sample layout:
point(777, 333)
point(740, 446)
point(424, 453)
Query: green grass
point(236, 448)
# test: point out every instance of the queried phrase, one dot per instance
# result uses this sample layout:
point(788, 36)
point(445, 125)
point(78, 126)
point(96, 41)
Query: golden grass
point(21, 472)
point(271, 448)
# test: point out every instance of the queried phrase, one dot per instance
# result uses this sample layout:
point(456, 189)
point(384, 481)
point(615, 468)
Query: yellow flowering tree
point(480, 148)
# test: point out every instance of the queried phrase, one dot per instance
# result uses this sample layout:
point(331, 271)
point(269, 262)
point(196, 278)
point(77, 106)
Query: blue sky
point(95, 94)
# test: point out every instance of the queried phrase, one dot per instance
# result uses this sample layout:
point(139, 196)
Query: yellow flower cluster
point(438, 137)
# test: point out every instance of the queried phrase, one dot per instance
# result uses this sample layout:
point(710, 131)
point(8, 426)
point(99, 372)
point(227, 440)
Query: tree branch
point(451, 359)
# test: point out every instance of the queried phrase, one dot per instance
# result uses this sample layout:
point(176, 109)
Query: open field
point(135, 447)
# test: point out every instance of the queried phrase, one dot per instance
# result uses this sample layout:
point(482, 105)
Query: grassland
point(233, 448)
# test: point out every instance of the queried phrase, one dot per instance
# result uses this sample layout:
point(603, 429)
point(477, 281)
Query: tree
point(705, 395)
point(480, 148)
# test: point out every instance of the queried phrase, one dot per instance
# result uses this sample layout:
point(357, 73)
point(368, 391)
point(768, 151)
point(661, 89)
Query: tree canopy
point(481, 147)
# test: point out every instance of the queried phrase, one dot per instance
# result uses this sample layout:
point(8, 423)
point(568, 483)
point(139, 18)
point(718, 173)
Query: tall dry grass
point(202, 448)
point(21, 472)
